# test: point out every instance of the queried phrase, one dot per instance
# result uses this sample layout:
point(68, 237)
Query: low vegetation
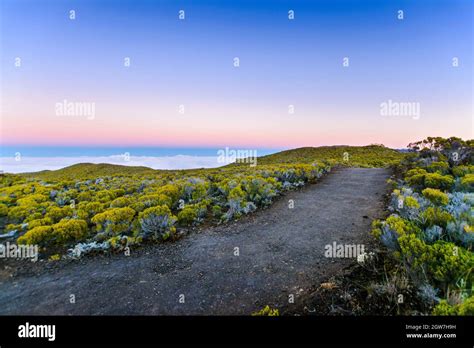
point(88, 207)
point(430, 232)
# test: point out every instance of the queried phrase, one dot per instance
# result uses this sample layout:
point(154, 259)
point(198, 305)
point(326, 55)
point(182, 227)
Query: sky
point(291, 88)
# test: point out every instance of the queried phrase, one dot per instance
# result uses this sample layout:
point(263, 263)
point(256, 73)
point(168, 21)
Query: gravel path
point(280, 253)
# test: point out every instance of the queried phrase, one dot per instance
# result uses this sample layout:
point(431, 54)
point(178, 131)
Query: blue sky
point(189, 63)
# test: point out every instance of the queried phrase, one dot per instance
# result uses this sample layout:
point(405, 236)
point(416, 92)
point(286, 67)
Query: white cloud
point(34, 164)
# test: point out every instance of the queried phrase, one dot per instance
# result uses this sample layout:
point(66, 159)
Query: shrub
point(56, 213)
point(438, 167)
point(63, 232)
point(40, 235)
point(114, 221)
point(33, 199)
point(465, 308)
point(260, 191)
point(467, 182)
point(267, 311)
point(436, 216)
point(88, 210)
point(447, 263)
point(436, 180)
point(216, 211)
point(121, 202)
point(436, 196)
point(155, 199)
point(40, 222)
point(105, 196)
point(188, 215)
point(460, 171)
point(157, 223)
point(194, 190)
point(67, 231)
point(18, 214)
point(169, 190)
point(84, 197)
point(3, 210)
point(419, 179)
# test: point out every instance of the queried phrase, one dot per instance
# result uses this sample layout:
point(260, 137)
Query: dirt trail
point(281, 252)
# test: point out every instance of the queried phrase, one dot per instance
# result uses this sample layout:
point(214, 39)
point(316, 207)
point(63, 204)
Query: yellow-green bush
point(3, 210)
point(60, 234)
point(465, 308)
point(467, 182)
point(40, 235)
point(56, 213)
point(39, 222)
point(114, 221)
point(436, 180)
point(267, 311)
point(121, 202)
point(436, 216)
point(438, 167)
point(436, 196)
point(157, 223)
point(460, 171)
point(153, 200)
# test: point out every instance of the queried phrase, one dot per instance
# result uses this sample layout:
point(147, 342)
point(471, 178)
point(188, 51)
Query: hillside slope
point(358, 156)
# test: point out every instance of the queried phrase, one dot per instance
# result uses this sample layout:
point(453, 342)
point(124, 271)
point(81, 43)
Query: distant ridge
point(359, 156)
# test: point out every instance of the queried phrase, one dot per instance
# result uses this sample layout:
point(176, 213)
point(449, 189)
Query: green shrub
point(39, 222)
point(121, 202)
point(267, 311)
point(436, 196)
point(38, 235)
point(419, 179)
point(114, 221)
point(67, 231)
point(60, 234)
point(19, 214)
point(447, 263)
point(467, 182)
point(438, 167)
point(436, 180)
point(3, 210)
point(188, 215)
point(171, 191)
point(216, 211)
point(460, 171)
point(465, 308)
point(436, 216)
point(56, 213)
point(153, 200)
point(157, 223)
point(84, 197)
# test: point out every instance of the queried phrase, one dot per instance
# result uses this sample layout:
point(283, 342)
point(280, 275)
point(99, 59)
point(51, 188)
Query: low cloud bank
point(34, 164)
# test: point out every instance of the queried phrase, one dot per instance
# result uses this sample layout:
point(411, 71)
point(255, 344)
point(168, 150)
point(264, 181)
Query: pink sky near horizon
point(259, 126)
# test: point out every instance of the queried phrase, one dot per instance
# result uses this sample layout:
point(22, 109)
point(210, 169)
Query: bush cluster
point(430, 230)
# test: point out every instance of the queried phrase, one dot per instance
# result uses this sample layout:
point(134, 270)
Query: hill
point(358, 156)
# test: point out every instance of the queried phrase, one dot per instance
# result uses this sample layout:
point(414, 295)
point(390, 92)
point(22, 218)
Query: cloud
point(34, 164)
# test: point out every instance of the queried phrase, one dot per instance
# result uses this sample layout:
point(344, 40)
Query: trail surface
point(280, 252)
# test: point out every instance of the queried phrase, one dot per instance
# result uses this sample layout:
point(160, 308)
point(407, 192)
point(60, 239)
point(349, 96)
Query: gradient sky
point(190, 62)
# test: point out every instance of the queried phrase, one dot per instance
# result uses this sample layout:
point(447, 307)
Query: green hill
point(360, 156)
point(89, 170)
